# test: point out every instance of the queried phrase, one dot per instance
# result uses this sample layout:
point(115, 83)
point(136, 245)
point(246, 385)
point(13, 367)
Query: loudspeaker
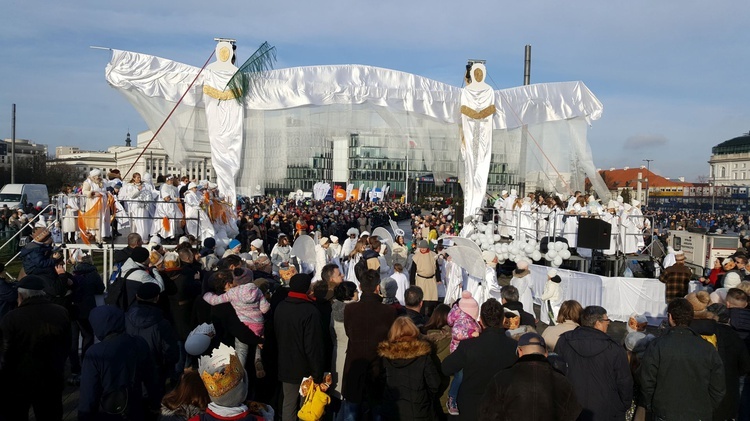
point(594, 233)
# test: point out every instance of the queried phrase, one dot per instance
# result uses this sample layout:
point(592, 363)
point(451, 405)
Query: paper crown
point(222, 371)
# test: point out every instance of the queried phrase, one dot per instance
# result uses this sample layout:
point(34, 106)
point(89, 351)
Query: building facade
point(730, 162)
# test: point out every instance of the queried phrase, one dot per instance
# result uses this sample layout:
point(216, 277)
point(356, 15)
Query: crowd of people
point(219, 320)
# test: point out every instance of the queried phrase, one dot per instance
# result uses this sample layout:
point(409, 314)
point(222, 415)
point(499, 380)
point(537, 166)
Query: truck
point(701, 248)
point(16, 196)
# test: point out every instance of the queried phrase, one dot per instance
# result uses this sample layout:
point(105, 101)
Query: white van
point(18, 195)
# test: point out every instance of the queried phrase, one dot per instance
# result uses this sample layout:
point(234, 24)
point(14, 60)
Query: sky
point(672, 75)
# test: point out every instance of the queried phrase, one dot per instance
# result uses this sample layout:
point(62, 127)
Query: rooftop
point(628, 177)
point(739, 144)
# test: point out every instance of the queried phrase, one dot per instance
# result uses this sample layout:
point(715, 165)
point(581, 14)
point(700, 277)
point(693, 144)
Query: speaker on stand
point(594, 234)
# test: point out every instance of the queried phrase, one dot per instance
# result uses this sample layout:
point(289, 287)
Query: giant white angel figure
point(287, 118)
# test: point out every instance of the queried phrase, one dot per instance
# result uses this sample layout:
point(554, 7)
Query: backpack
point(117, 291)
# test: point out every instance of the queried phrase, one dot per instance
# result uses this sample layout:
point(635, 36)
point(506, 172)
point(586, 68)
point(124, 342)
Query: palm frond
point(251, 72)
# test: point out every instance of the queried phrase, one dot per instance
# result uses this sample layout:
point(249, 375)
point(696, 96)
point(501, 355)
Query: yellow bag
point(315, 404)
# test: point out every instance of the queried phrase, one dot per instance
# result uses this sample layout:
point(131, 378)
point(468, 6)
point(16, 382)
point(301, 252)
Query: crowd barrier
point(618, 295)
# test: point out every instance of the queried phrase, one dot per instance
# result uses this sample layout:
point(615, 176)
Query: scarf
point(225, 411)
point(300, 295)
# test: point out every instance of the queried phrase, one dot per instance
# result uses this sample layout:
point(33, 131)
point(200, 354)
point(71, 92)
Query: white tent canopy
point(295, 113)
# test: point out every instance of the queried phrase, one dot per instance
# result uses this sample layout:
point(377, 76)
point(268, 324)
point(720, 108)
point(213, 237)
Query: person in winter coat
point(481, 358)
point(438, 333)
point(568, 319)
point(35, 341)
point(146, 320)
point(411, 377)
point(734, 356)
point(531, 389)
point(117, 369)
point(597, 367)
point(37, 256)
point(509, 295)
point(681, 375)
point(345, 293)
point(136, 270)
point(87, 284)
point(464, 323)
point(367, 323)
point(299, 341)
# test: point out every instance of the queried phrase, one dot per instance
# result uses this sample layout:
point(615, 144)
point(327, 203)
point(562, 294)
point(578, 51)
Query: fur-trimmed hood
point(408, 350)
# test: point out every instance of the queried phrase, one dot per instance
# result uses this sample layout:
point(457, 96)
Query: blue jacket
point(37, 259)
point(118, 362)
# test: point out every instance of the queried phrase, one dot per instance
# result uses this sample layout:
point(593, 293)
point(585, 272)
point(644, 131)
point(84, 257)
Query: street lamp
point(648, 174)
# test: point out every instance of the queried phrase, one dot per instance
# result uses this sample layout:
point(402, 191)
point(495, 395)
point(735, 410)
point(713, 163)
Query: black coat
point(146, 320)
point(529, 390)
point(682, 376)
point(736, 362)
point(299, 339)
point(599, 371)
point(35, 341)
point(411, 379)
point(366, 323)
point(87, 284)
point(480, 358)
point(185, 289)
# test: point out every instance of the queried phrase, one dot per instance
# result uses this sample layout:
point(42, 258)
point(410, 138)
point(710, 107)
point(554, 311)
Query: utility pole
point(648, 174)
point(13, 148)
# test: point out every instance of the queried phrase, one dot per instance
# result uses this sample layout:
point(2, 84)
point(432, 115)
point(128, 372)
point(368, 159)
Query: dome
point(739, 144)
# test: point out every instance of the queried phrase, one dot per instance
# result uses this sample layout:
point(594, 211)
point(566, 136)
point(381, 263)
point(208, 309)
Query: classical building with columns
point(730, 162)
point(154, 160)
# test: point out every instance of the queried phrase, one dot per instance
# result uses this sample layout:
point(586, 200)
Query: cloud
point(645, 141)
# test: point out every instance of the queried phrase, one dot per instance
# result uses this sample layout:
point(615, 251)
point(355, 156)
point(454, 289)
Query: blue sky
point(672, 75)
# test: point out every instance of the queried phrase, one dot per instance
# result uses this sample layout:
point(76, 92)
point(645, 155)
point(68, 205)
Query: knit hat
point(234, 243)
point(209, 243)
point(364, 233)
point(300, 283)
point(154, 240)
point(423, 244)
point(334, 239)
point(323, 241)
point(699, 300)
point(469, 305)
point(732, 280)
point(148, 291)
point(352, 231)
point(551, 273)
point(257, 243)
point(140, 255)
point(183, 239)
point(523, 265)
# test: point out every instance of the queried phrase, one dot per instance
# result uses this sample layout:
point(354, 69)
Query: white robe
point(169, 210)
point(454, 282)
point(614, 222)
point(525, 296)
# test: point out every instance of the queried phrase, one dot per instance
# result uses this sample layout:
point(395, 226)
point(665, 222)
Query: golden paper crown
point(222, 371)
